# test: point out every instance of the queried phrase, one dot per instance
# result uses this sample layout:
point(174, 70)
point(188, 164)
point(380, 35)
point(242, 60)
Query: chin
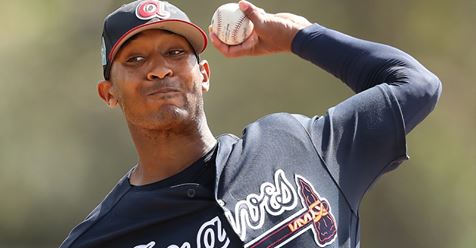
point(170, 117)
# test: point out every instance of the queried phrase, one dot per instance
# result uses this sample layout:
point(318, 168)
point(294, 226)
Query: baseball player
point(289, 180)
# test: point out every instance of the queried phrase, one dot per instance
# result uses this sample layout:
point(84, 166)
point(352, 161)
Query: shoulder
point(273, 128)
point(272, 124)
point(283, 120)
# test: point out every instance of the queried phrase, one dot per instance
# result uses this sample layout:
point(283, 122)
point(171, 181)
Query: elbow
point(418, 96)
point(426, 88)
point(433, 88)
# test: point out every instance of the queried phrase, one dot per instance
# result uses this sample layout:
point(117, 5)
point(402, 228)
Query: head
point(151, 66)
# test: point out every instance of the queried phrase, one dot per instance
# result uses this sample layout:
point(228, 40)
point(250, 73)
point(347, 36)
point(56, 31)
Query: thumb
point(255, 14)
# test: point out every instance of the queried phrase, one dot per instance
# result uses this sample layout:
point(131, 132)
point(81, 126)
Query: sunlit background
point(62, 149)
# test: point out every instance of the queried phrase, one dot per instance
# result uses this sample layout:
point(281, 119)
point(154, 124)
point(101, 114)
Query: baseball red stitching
point(219, 24)
point(236, 29)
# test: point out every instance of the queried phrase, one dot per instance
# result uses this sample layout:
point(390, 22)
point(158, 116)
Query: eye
point(175, 52)
point(135, 59)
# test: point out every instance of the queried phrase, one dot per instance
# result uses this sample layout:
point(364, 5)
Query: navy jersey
point(290, 180)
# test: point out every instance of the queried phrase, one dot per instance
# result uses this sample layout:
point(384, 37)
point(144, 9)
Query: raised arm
point(362, 137)
point(362, 65)
point(358, 63)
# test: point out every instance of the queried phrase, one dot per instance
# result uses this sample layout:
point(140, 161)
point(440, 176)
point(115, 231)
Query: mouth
point(163, 91)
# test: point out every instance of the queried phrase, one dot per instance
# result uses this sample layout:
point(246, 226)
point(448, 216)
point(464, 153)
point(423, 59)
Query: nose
point(159, 70)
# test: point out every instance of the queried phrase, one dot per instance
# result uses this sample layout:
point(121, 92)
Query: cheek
point(124, 88)
point(196, 87)
point(196, 80)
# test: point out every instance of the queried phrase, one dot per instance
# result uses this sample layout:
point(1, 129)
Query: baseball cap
point(135, 17)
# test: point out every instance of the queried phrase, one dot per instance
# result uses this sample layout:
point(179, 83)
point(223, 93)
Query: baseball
point(231, 25)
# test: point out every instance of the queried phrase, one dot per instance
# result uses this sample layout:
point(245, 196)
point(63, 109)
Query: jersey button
point(191, 193)
point(221, 203)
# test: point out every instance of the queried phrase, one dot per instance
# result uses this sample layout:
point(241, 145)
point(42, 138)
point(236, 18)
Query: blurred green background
point(62, 149)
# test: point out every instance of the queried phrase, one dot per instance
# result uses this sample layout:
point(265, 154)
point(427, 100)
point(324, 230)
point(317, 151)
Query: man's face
point(157, 81)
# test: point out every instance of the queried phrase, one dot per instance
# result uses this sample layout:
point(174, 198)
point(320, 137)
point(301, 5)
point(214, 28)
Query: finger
point(245, 48)
point(255, 14)
point(222, 47)
point(226, 50)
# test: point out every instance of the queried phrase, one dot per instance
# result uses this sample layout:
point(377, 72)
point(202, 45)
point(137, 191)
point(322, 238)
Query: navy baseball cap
point(135, 17)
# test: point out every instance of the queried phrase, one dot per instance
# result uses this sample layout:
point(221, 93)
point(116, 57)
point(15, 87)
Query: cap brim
point(193, 33)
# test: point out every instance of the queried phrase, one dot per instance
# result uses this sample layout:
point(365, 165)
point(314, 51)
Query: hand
point(272, 33)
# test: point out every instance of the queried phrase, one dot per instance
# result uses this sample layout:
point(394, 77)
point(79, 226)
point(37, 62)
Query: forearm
point(363, 64)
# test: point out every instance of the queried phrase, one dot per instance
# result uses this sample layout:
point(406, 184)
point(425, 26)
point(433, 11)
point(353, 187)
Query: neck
point(165, 153)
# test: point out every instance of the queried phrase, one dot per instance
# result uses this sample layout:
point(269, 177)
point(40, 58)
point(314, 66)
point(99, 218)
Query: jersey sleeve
point(364, 136)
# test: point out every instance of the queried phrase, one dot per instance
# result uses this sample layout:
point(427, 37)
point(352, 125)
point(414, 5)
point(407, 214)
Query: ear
point(205, 71)
point(105, 91)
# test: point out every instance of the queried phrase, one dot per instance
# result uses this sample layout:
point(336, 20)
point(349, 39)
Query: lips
point(163, 90)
